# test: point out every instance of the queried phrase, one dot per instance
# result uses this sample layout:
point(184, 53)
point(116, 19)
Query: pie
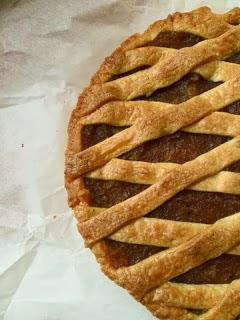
point(153, 166)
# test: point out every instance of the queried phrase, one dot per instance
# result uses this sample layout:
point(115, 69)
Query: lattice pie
point(153, 166)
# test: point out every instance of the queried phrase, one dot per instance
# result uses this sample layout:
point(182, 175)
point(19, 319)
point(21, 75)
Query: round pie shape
point(153, 165)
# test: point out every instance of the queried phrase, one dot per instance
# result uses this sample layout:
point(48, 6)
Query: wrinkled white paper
point(48, 50)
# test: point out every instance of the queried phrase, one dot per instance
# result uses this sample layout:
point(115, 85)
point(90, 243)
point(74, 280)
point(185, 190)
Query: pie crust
point(138, 68)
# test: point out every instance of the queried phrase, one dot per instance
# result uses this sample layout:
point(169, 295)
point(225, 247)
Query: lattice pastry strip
point(167, 71)
point(228, 303)
point(126, 114)
point(156, 124)
point(148, 56)
point(219, 238)
point(125, 59)
point(187, 295)
point(107, 101)
point(151, 231)
point(174, 181)
point(149, 173)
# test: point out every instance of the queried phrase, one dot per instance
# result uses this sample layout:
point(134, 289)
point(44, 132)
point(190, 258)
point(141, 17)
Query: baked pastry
point(153, 166)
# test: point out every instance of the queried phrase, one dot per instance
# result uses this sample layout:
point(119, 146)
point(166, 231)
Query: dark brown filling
point(223, 269)
point(125, 74)
point(210, 207)
point(234, 58)
point(124, 254)
point(189, 86)
point(93, 134)
point(188, 205)
point(178, 147)
point(176, 40)
point(233, 108)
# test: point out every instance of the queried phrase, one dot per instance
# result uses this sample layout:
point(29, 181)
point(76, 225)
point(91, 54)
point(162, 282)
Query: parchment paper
point(48, 50)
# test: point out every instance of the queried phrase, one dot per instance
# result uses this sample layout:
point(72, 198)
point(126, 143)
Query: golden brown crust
point(152, 125)
point(201, 22)
point(166, 71)
point(106, 101)
point(149, 173)
point(187, 295)
point(212, 242)
point(228, 307)
point(172, 182)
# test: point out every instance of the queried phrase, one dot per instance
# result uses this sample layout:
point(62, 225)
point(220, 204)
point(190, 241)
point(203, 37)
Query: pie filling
point(188, 205)
point(176, 40)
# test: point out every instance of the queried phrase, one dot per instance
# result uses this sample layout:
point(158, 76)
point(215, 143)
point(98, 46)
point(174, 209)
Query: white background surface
point(48, 50)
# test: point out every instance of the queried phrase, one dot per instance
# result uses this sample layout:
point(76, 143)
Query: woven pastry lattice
point(137, 69)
